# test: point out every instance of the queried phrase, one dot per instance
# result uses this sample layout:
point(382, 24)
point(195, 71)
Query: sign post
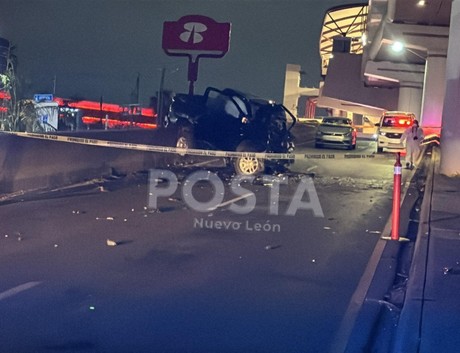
point(195, 37)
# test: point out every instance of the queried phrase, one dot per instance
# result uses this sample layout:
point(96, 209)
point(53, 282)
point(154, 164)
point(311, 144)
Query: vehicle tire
point(379, 149)
point(248, 165)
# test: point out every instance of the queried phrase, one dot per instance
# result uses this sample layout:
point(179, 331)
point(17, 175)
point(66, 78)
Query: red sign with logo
point(196, 34)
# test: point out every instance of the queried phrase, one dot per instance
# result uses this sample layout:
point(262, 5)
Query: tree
point(9, 120)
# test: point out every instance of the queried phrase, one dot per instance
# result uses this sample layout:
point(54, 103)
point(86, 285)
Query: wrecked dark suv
point(230, 120)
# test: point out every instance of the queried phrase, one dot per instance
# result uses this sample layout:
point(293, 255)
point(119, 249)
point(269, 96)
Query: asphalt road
point(184, 280)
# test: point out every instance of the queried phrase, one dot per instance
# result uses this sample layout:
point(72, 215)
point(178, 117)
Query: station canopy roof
point(346, 23)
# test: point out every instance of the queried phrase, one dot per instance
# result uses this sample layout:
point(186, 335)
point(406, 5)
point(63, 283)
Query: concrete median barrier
point(28, 164)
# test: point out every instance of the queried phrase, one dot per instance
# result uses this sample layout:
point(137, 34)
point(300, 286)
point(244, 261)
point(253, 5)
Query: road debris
point(373, 231)
point(446, 270)
point(106, 218)
point(272, 247)
point(111, 242)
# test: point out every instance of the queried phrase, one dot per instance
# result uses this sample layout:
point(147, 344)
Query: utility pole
point(160, 98)
point(137, 87)
point(54, 85)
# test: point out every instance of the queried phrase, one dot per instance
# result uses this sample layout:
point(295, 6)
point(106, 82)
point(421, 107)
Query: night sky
point(97, 48)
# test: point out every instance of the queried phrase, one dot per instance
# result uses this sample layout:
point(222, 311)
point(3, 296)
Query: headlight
point(382, 133)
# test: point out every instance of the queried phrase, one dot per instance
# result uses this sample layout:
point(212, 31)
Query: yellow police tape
point(192, 151)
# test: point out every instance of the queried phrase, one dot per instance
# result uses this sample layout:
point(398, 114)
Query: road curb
point(364, 327)
point(407, 338)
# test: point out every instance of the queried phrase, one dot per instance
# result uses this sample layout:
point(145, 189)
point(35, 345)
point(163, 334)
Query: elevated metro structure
point(396, 55)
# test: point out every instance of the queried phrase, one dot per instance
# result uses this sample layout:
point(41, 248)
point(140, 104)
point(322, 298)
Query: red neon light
point(4, 95)
point(114, 114)
point(59, 101)
point(147, 126)
point(91, 105)
point(90, 120)
point(116, 123)
point(95, 106)
point(148, 112)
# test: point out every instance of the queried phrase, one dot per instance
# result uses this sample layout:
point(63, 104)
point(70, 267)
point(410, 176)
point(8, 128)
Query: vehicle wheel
point(379, 149)
point(248, 165)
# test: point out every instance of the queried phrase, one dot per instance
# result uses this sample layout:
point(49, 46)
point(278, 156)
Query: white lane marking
point(236, 199)
point(16, 290)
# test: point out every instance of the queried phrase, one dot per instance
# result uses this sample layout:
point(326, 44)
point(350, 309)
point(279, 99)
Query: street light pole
point(160, 98)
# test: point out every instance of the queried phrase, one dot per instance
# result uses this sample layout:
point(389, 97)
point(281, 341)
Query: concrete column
point(410, 98)
point(450, 135)
point(434, 92)
point(291, 87)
